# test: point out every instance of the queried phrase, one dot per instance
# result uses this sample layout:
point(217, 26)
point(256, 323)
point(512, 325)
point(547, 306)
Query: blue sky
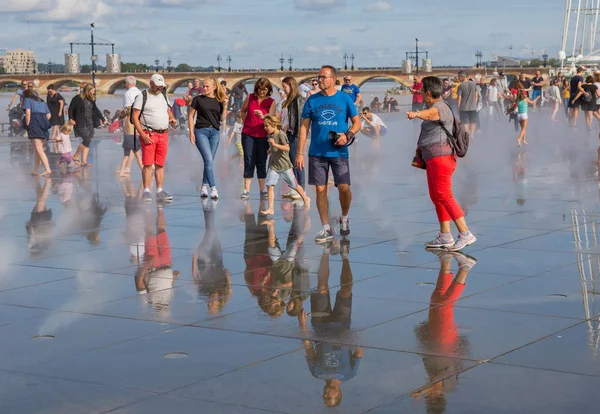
point(314, 32)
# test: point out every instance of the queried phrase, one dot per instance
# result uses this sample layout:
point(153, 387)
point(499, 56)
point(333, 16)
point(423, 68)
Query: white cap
point(158, 80)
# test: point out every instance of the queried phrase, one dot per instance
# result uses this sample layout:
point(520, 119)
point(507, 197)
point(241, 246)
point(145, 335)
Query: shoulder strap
point(440, 123)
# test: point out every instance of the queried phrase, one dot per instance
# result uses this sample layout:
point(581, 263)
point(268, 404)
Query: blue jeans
point(300, 177)
point(207, 142)
point(566, 104)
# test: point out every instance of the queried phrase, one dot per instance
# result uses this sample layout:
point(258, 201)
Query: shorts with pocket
point(318, 170)
point(129, 144)
point(468, 117)
point(287, 175)
point(155, 153)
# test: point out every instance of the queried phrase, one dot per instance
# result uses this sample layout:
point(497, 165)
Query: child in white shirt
point(64, 146)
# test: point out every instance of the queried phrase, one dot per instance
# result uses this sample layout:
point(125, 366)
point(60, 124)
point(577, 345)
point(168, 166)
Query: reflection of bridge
point(107, 83)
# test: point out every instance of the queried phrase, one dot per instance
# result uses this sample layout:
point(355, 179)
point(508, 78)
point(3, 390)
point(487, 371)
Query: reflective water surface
point(108, 304)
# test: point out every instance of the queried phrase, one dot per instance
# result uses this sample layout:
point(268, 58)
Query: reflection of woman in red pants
point(439, 334)
point(440, 161)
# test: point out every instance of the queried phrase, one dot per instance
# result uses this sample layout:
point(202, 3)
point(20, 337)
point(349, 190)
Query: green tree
point(183, 67)
point(2, 70)
point(134, 67)
point(85, 68)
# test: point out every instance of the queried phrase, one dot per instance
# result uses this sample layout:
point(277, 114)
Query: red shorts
point(159, 248)
point(155, 153)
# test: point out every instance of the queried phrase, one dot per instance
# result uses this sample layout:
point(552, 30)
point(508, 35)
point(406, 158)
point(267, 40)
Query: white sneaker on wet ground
point(440, 242)
point(463, 241)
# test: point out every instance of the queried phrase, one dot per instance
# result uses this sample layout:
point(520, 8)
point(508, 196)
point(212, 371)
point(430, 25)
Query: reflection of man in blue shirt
point(327, 114)
point(352, 90)
point(331, 362)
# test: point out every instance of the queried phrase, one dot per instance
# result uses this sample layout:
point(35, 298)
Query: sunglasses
point(315, 84)
point(347, 80)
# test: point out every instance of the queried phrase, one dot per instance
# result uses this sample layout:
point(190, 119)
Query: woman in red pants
point(440, 161)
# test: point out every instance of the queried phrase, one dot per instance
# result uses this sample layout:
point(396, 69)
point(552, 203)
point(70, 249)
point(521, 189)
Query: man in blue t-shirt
point(352, 90)
point(327, 114)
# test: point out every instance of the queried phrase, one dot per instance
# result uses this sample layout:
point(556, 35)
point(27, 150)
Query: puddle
point(175, 355)
point(42, 337)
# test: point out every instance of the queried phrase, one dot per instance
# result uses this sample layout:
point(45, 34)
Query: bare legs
point(554, 110)
point(323, 201)
point(522, 138)
point(40, 157)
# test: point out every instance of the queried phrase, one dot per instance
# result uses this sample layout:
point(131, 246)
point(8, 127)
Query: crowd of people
point(271, 137)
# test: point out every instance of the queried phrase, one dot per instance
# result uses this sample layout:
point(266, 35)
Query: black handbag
point(418, 161)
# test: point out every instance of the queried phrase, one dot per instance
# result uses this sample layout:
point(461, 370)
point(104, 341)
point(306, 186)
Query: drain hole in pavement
point(42, 337)
point(175, 355)
point(556, 295)
point(425, 283)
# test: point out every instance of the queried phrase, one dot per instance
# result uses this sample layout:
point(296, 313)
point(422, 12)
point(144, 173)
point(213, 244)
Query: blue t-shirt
point(36, 106)
point(351, 90)
point(328, 113)
point(333, 362)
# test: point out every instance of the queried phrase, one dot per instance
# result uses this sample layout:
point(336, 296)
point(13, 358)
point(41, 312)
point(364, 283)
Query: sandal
point(76, 161)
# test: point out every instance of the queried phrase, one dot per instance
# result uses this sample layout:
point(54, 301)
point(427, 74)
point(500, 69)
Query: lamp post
point(94, 57)
point(156, 62)
point(352, 59)
point(49, 66)
point(281, 60)
point(545, 58)
point(169, 62)
point(229, 63)
point(219, 59)
point(290, 60)
point(345, 57)
point(479, 57)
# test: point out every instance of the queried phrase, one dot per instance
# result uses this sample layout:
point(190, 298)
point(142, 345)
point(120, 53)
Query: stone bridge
point(108, 83)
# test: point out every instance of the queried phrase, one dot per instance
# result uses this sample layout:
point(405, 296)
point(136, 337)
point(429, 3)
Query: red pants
point(439, 179)
point(155, 153)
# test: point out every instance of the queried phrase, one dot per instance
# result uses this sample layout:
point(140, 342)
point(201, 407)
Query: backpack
point(144, 99)
point(459, 139)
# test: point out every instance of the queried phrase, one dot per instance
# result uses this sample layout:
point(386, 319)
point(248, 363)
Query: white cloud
point(378, 6)
point(11, 6)
point(323, 50)
point(318, 4)
point(240, 46)
point(69, 10)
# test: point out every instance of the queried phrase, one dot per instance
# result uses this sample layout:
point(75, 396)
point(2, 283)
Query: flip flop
point(45, 174)
point(76, 161)
point(86, 165)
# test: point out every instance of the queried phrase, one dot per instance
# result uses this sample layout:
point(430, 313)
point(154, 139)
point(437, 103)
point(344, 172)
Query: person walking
point(352, 90)
point(56, 105)
point(566, 96)
point(85, 116)
point(37, 124)
point(151, 118)
point(327, 114)
point(553, 95)
point(576, 86)
point(314, 88)
point(254, 136)
point(417, 99)
point(522, 102)
point(131, 143)
point(211, 111)
point(588, 101)
point(291, 117)
point(538, 83)
point(441, 163)
point(495, 109)
point(467, 102)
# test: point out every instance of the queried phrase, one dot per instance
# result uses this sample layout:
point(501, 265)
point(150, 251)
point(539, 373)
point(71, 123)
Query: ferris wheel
point(580, 28)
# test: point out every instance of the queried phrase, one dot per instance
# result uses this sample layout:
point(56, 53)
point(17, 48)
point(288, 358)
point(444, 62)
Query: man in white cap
point(151, 117)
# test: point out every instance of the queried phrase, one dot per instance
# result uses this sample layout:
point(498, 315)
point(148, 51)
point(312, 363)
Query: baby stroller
point(16, 121)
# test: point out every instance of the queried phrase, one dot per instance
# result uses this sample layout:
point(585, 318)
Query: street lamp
point(156, 62)
point(229, 63)
point(169, 64)
point(479, 57)
point(545, 58)
point(352, 59)
point(49, 66)
point(219, 59)
point(281, 60)
point(291, 61)
point(94, 57)
point(345, 61)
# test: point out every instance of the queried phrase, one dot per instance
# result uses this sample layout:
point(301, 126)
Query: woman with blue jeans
point(291, 118)
point(211, 111)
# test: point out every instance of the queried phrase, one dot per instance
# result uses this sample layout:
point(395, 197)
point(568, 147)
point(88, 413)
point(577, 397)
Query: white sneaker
point(204, 191)
point(214, 194)
point(294, 195)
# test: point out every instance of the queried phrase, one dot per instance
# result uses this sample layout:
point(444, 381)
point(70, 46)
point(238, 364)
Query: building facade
point(19, 61)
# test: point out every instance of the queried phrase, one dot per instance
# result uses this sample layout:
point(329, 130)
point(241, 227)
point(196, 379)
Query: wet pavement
point(111, 305)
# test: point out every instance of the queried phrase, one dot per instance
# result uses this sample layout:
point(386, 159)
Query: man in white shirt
point(303, 88)
point(130, 146)
point(372, 125)
point(151, 120)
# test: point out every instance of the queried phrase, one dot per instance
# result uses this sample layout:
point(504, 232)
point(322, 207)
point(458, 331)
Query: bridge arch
point(58, 83)
point(5, 82)
point(176, 83)
point(111, 86)
point(361, 81)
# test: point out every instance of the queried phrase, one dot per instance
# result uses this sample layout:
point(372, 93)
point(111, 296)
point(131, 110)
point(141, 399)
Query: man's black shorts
point(468, 117)
point(318, 170)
